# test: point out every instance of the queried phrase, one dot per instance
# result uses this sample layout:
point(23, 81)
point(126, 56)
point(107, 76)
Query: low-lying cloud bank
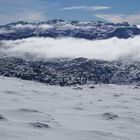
point(110, 49)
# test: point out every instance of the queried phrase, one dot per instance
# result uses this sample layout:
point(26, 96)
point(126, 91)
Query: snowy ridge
point(33, 111)
point(60, 28)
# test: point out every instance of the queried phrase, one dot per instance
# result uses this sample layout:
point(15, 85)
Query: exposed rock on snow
point(40, 125)
point(29, 110)
point(2, 118)
point(110, 116)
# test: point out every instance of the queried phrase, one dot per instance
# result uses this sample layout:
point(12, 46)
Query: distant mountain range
point(59, 28)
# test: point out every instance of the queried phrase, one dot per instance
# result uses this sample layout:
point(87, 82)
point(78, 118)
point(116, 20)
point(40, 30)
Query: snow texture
point(33, 111)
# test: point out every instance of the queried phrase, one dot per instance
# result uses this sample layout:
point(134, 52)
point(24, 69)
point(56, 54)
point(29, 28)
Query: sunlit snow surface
point(34, 111)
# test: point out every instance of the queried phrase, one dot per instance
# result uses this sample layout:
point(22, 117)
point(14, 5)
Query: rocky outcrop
point(65, 72)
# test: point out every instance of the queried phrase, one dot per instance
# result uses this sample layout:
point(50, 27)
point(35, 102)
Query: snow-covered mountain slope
point(67, 72)
point(60, 28)
point(138, 26)
point(73, 71)
point(33, 111)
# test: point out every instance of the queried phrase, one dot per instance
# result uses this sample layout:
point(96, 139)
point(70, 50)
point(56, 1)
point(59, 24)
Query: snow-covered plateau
point(36, 111)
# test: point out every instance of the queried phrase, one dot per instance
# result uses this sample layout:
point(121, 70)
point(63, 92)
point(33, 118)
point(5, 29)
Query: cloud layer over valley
point(110, 49)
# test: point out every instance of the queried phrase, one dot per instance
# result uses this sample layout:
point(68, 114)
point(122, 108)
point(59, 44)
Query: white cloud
point(34, 16)
point(5, 31)
point(31, 26)
point(84, 7)
point(138, 26)
point(110, 49)
point(45, 26)
point(31, 16)
point(27, 10)
point(133, 19)
point(20, 26)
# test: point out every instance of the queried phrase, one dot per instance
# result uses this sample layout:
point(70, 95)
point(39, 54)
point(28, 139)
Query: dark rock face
point(110, 116)
point(65, 72)
point(29, 110)
point(40, 125)
point(60, 28)
point(2, 118)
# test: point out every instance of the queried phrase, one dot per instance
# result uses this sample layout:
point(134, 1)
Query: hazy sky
point(84, 10)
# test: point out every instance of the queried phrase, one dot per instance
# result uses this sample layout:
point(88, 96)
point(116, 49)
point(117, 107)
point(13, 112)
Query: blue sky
point(83, 10)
